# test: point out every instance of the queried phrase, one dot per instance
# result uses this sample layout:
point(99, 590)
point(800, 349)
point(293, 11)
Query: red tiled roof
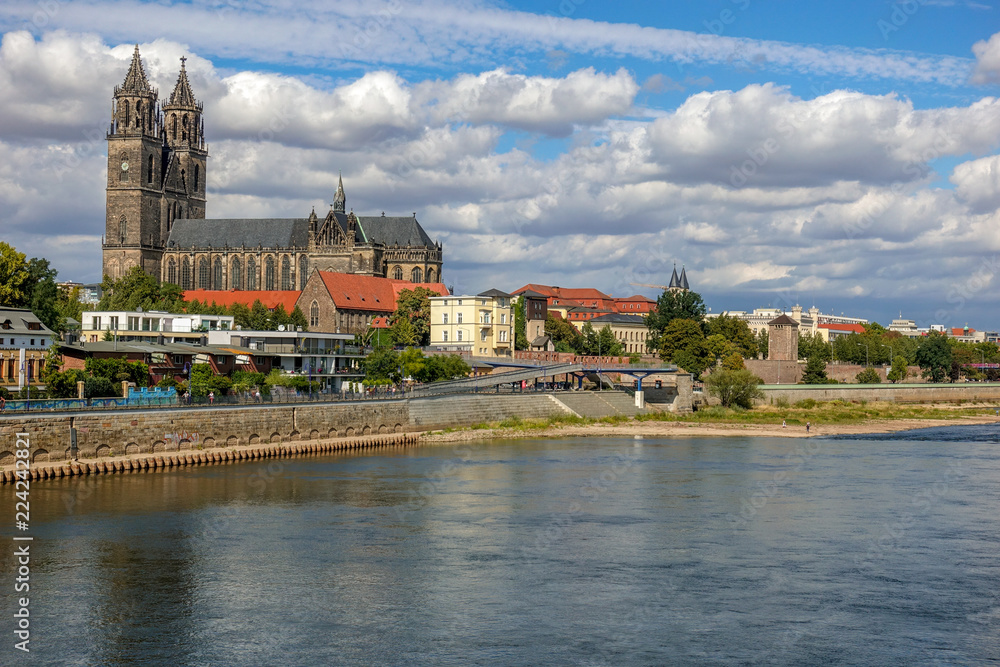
point(399, 285)
point(381, 322)
point(960, 331)
point(635, 297)
point(353, 292)
point(564, 292)
point(856, 328)
point(270, 299)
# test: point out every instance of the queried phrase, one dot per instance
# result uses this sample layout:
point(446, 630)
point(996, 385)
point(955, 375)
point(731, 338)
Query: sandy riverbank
point(688, 429)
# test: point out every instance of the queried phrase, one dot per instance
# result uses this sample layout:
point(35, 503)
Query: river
point(876, 550)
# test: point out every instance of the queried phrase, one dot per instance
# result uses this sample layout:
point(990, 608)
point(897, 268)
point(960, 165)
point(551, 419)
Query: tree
point(139, 290)
point(734, 362)
point(815, 372)
point(43, 297)
point(279, 317)
point(762, 343)
point(520, 325)
point(241, 315)
point(259, 317)
point(382, 364)
point(62, 384)
point(415, 306)
point(297, 319)
point(680, 334)
point(813, 346)
point(14, 278)
point(934, 357)
point(868, 376)
point(734, 388)
point(898, 371)
point(564, 335)
point(403, 332)
point(413, 361)
point(737, 332)
point(607, 344)
point(670, 306)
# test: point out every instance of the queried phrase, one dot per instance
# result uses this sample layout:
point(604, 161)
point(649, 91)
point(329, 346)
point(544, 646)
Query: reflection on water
point(580, 551)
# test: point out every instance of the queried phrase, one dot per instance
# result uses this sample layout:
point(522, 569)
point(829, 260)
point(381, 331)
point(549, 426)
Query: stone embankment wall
point(972, 392)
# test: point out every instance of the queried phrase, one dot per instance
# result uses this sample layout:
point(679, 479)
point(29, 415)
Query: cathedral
point(157, 173)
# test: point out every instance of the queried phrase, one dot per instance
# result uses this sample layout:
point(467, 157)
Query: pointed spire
point(340, 199)
point(182, 95)
point(684, 279)
point(675, 282)
point(135, 81)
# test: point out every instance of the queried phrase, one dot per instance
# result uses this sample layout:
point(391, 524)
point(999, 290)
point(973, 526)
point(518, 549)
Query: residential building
point(481, 325)
point(350, 303)
point(831, 331)
point(535, 307)
point(24, 341)
point(629, 330)
point(635, 305)
point(328, 358)
point(150, 326)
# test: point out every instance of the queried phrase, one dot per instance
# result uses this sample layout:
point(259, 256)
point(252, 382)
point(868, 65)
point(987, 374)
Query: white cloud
point(987, 60)
point(978, 183)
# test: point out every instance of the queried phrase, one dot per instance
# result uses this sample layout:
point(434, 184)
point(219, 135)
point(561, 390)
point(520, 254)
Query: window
point(430, 275)
point(251, 274)
point(314, 314)
point(416, 275)
point(459, 334)
point(149, 170)
point(113, 322)
point(286, 274)
point(483, 333)
point(397, 273)
point(197, 175)
point(459, 318)
point(122, 226)
point(444, 336)
point(236, 274)
point(503, 335)
point(303, 271)
point(217, 274)
point(172, 271)
point(185, 274)
point(503, 318)
point(202, 273)
point(269, 274)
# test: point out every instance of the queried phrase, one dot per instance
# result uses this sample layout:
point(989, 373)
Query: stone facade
point(783, 339)
point(156, 204)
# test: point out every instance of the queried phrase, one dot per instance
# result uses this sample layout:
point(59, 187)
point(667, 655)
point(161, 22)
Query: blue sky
point(837, 154)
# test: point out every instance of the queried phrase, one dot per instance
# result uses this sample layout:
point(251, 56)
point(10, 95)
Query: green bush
point(806, 404)
point(100, 387)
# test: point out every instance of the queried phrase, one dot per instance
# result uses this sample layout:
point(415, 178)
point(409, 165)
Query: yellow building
point(480, 325)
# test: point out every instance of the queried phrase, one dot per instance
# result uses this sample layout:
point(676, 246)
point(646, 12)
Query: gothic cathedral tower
point(156, 170)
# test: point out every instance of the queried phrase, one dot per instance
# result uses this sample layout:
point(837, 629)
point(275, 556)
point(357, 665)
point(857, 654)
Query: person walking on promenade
point(782, 423)
point(3, 404)
point(807, 427)
point(211, 397)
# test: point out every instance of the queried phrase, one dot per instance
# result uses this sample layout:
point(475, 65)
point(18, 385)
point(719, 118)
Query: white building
point(24, 340)
point(328, 358)
point(151, 326)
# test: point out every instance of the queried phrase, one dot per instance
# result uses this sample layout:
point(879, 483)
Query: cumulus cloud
point(978, 183)
point(987, 60)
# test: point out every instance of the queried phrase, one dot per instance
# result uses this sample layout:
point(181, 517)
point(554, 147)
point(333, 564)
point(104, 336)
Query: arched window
point(122, 227)
point(430, 275)
point(286, 274)
point(138, 113)
point(416, 274)
point(303, 271)
point(314, 314)
point(184, 180)
point(125, 115)
point(197, 173)
point(397, 273)
point(173, 126)
point(149, 170)
point(235, 276)
point(251, 274)
point(184, 132)
point(269, 274)
point(217, 274)
point(172, 271)
point(185, 274)
point(202, 273)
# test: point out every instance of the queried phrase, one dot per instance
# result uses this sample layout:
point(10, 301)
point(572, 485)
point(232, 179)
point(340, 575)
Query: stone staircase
point(597, 404)
point(467, 409)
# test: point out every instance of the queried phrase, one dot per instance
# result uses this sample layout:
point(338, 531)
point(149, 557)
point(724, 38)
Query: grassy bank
point(817, 413)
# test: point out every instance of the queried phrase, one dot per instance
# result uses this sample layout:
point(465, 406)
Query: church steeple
point(340, 199)
point(133, 110)
point(183, 115)
point(675, 282)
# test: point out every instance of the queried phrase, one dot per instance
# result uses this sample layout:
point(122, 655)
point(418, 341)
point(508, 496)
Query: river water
point(721, 551)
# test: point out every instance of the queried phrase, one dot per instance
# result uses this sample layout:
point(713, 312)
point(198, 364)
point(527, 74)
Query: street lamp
point(890, 352)
point(866, 353)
